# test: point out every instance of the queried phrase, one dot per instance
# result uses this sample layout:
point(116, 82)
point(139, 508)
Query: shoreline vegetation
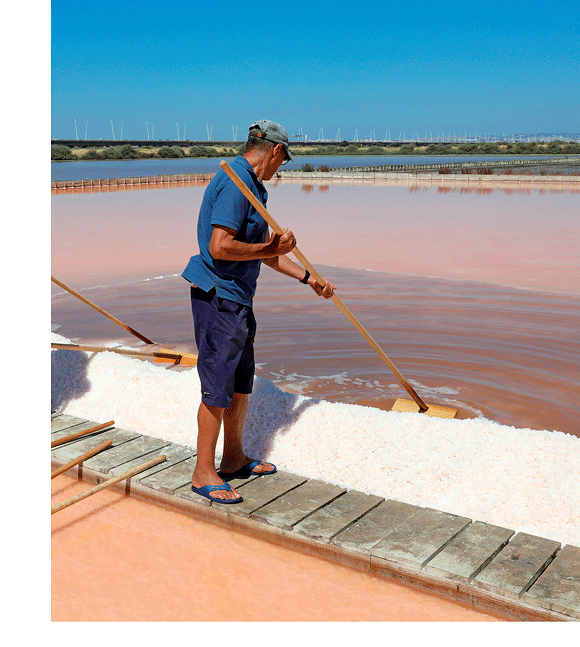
point(64, 153)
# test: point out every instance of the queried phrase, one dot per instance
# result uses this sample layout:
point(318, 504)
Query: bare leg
point(209, 420)
point(234, 418)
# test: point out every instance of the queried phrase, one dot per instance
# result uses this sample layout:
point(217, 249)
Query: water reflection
point(419, 185)
point(307, 186)
point(122, 188)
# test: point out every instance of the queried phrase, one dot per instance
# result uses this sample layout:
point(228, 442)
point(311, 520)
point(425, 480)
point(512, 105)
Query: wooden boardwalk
point(521, 576)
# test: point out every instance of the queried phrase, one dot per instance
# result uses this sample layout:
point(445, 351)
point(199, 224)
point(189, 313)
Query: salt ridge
point(523, 479)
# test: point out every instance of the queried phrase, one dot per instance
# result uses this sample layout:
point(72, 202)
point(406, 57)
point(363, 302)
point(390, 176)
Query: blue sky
point(482, 66)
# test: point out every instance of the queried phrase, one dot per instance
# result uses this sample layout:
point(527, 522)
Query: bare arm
point(223, 246)
point(285, 266)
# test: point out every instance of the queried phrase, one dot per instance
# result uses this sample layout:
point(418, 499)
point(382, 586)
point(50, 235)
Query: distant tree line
point(61, 152)
point(449, 148)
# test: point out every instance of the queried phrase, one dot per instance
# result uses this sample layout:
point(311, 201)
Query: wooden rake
point(402, 404)
point(158, 355)
point(126, 475)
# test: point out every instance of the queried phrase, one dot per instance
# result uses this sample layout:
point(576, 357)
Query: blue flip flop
point(245, 472)
point(206, 489)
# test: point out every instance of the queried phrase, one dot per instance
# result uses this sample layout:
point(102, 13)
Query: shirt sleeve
point(230, 208)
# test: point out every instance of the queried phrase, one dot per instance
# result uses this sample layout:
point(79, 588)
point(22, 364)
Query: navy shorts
point(224, 334)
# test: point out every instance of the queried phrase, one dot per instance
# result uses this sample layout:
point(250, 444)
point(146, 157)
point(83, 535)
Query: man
point(233, 241)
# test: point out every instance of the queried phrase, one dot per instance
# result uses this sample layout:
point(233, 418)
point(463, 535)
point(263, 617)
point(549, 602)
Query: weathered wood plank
point(558, 587)
point(172, 478)
point(517, 566)
point(75, 448)
point(173, 454)
point(419, 538)
point(260, 491)
point(466, 555)
point(294, 506)
point(327, 522)
point(368, 531)
point(115, 456)
point(374, 526)
point(64, 421)
point(68, 429)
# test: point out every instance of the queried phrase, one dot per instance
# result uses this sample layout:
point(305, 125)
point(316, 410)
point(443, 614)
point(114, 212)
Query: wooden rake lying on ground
point(157, 355)
point(402, 404)
point(80, 459)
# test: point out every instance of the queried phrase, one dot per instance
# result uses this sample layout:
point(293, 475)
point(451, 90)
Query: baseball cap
point(273, 132)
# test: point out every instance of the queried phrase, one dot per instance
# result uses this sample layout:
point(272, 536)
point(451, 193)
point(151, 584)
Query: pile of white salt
point(523, 479)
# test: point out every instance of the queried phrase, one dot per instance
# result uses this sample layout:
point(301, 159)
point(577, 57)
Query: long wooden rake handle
point(161, 355)
point(106, 484)
point(81, 459)
point(306, 263)
point(103, 312)
point(84, 432)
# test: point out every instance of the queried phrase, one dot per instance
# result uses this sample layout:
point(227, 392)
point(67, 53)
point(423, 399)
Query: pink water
point(103, 570)
point(473, 293)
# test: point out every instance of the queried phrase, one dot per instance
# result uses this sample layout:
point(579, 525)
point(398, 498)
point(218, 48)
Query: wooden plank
point(517, 566)
point(84, 432)
point(261, 491)
point(419, 538)
point(173, 454)
point(294, 506)
point(60, 428)
point(124, 453)
point(172, 478)
point(64, 421)
point(558, 587)
point(375, 526)
point(469, 553)
point(327, 522)
point(75, 448)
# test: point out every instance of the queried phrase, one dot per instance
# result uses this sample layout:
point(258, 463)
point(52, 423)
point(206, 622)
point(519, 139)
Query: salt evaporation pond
point(505, 348)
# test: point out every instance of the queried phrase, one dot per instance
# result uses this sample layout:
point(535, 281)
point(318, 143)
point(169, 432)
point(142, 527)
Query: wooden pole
point(278, 230)
point(106, 484)
point(78, 434)
point(161, 355)
point(81, 459)
point(103, 312)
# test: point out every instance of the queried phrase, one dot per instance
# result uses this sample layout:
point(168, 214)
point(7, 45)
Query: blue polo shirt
point(224, 204)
